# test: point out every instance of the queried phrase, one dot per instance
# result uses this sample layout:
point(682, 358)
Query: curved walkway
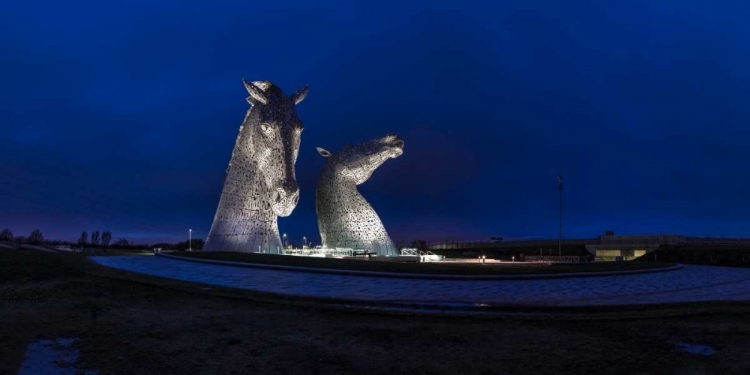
point(688, 284)
point(404, 275)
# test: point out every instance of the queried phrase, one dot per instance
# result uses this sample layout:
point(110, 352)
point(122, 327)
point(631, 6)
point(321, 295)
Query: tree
point(195, 244)
point(122, 242)
point(36, 237)
point(84, 238)
point(106, 237)
point(6, 235)
point(419, 244)
point(95, 237)
point(198, 243)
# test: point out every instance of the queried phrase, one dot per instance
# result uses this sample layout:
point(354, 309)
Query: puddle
point(695, 348)
point(51, 357)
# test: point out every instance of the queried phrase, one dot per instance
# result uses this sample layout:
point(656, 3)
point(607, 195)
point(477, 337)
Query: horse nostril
point(280, 195)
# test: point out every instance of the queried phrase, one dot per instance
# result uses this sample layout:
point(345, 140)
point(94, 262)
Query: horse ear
point(300, 95)
point(255, 93)
point(323, 152)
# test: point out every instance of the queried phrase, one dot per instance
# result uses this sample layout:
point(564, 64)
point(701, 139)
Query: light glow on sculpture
point(261, 183)
point(345, 219)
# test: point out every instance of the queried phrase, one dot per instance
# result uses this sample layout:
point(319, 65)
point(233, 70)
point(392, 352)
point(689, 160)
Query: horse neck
point(249, 179)
point(344, 192)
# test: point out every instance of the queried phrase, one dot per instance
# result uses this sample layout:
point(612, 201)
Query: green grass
point(441, 268)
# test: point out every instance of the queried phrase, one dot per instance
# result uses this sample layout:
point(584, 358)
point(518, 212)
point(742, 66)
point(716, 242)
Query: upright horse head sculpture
point(260, 184)
point(345, 219)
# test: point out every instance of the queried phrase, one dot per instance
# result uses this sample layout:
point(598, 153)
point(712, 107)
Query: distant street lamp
point(304, 241)
point(190, 240)
point(284, 240)
point(559, 234)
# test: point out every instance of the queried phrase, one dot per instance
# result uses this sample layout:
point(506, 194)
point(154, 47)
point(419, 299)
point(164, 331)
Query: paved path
point(689, 284)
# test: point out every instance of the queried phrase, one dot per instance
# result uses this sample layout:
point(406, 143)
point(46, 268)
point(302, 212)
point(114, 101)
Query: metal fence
point(555, 259)
point(322, 252)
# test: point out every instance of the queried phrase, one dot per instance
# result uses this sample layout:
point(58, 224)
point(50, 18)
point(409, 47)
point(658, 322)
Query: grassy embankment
point(517, 268)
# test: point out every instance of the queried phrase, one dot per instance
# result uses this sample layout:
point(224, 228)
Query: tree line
point(36, 237)
point(96, 239)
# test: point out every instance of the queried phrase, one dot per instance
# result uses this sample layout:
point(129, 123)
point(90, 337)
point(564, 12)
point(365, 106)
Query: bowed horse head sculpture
point(261, 183)
point(274, 141)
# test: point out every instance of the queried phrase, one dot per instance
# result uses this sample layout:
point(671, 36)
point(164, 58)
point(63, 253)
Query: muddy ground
point(130, 327)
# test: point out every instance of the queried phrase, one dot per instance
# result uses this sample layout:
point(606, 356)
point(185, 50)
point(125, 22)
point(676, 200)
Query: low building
point(608, 247)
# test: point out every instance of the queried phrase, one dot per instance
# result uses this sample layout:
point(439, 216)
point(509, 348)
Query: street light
point(559, 234)
point(304, 241)
point(284, 240)
point(190, 240)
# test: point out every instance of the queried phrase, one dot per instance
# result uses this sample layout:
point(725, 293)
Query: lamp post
point(190, 240)
point(304, 242)
point(559, 234)
point(285, 240)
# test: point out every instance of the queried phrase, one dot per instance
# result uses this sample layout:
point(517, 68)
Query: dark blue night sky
point(123, 117)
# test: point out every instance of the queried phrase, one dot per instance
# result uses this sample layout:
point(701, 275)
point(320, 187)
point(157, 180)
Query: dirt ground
point(128, 327)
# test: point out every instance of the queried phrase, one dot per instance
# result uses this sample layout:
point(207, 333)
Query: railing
point(554, 259)
point(335, 252)
point(514, 242)
point(657, 239)
point(523, 244)
point(416, 252)
point(716, 241)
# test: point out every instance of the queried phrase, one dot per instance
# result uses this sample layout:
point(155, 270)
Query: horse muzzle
point(284, 200)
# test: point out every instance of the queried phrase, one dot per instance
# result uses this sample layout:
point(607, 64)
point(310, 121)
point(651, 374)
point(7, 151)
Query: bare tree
point(419, 244)
point(6, 235)
point(106, 237)
point(122, 242)
point(714, 254)
point(198, 243)
point(95, 237)
point(36, 237)
point(84, 238)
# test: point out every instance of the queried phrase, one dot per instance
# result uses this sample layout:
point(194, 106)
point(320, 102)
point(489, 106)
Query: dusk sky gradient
point(122, 116)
